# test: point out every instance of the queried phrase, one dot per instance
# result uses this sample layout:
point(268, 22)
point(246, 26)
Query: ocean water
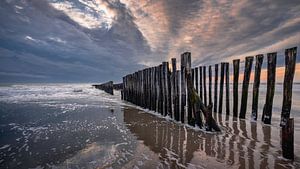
point(77, 126)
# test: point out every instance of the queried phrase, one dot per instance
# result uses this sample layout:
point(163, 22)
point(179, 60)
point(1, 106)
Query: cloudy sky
point(99, 40)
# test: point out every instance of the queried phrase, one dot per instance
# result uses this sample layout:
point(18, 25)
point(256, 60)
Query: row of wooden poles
point(164, 91)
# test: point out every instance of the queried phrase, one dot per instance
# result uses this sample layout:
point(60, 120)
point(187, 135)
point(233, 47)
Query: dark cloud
point(81, 40)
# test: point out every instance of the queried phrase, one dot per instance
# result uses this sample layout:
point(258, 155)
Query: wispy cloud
point(95, 14)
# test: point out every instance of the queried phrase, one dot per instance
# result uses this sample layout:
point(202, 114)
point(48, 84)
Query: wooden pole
point(193, 77)
point(173, 61)
point(184, 60)
point(290, 62)
point(209, 86)
point(227, 88)
point(189, 80)
point(201, 84)
point(221, 89)
point(256, 83)
point(156, 88)
point(216, 88)
point(165, 89)
point(148, 88)
point(204, 86)
point(236, 67)
point(267, 111)
point(247, 72)
point(287, 140)
point(160, 90)
point(177, 103)
point(169, 100)
point(196, 79)
point(153, 89)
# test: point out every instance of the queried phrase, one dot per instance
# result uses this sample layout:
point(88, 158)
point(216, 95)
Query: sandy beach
point(60, 126)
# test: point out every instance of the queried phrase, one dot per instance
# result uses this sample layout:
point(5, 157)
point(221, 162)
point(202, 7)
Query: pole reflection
point(177, 146)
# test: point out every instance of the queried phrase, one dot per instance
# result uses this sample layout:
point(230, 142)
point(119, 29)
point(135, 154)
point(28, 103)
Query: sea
point(77, 126)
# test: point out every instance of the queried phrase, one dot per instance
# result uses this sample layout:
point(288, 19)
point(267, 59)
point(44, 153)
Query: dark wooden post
point(196, 79)
point(189, 80)
point(287, 140)
point(145, 94)
point(156, 88)
point(173, 61)
point(193, 77)
point(201, 84)
point(153, 89)
point(204, 86)
point(169, 100)
point(236, 67)
point(209, 86)
point(259, 60)
point(165, 90)
point(290, 61)
point(221, 89)
point(160, 103)
point(149, 88)
point(247, 73)
point(227, 88)
point(216, 88)
point(139, 88)
point(177, 104)
point(184, 64)
point(267, 111)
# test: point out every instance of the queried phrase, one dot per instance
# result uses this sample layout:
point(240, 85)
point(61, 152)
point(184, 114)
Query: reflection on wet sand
point(241, 144)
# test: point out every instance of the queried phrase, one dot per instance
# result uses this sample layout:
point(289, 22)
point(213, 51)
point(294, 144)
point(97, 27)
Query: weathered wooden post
point(160, 103)
point(189, 80)
point(156, 88)
point(177, 103)
point(184, 62)
point(227, 88)
point(247, 72)
point(201, 84)
point(287, 139)
point(204, 86)
point(236, 67)
point(196, 79)
point(267, 111)
point(144, 93)
point(193, 77)
point(149, 88)
point(139, 82)
point(209, 86)
point(174, 92)
point(290, 61)
point(169, 101)
point(153, 89)
point(216, 88)
point(165, 90)
point(221, 89)
point(258, 63)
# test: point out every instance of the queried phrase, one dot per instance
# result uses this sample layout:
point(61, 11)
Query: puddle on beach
point(91, 129)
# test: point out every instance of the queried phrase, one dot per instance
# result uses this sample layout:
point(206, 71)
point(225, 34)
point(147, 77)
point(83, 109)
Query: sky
point(101, 40)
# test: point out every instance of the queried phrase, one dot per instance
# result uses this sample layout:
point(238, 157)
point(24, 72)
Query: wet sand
point(241, 144)
point(51, 126)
